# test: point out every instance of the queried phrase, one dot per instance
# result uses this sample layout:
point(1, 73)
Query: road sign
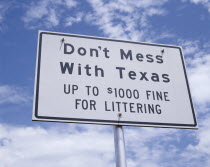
point(87, 79)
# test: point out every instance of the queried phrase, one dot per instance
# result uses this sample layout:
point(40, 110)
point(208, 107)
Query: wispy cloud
point(205, 3)
point(189, 47)
point(36, 146)
point(116, 19)
point(163, 147)
point(3, 9)
point(13, 95)
point(198, 63)
point(91, 145)
point(46, 12)
point(1, 13)
point(199, 78)
point(125, 19)
point(147, 145)
point(74, 19)
point(198, 154)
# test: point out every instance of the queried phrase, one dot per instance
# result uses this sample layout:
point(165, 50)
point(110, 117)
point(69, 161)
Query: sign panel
point(105, 81)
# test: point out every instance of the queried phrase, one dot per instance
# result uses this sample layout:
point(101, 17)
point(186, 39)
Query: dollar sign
point(109, 90)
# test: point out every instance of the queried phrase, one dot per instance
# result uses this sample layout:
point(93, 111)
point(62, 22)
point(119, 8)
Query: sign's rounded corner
point(195, 124)
point(36, 115)
point(180, 49)
point(41, 33)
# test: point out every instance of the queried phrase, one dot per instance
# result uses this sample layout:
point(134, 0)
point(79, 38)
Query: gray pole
point(119, 146)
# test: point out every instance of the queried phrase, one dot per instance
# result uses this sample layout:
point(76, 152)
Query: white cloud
point(13, 94)
point(189, 47)
point(199, 70)
point(198, 154)
point(147, 145)
point(36, 11)
point(3, 10)
point(79, 145)
point(125, 19)
point(71, 20)
point(169, 147)
point(53, 18)
point(203, 137)
point(93, 145)
point(116, 19)
point(46, 12)
point(205, 3)
point(1, 13)
point(37, 147)
point(70, 3)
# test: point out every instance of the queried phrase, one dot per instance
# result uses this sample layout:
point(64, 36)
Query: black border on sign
point(56, 119)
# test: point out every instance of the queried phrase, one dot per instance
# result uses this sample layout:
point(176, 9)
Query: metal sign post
point(119, 143)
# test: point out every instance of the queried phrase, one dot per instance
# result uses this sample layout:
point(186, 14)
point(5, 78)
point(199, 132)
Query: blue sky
point(25, 143)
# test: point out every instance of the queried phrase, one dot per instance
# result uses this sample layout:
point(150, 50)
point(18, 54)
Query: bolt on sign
point(86, 79)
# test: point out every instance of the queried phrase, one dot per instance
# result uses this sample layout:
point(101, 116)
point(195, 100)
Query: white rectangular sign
point(105, 81)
